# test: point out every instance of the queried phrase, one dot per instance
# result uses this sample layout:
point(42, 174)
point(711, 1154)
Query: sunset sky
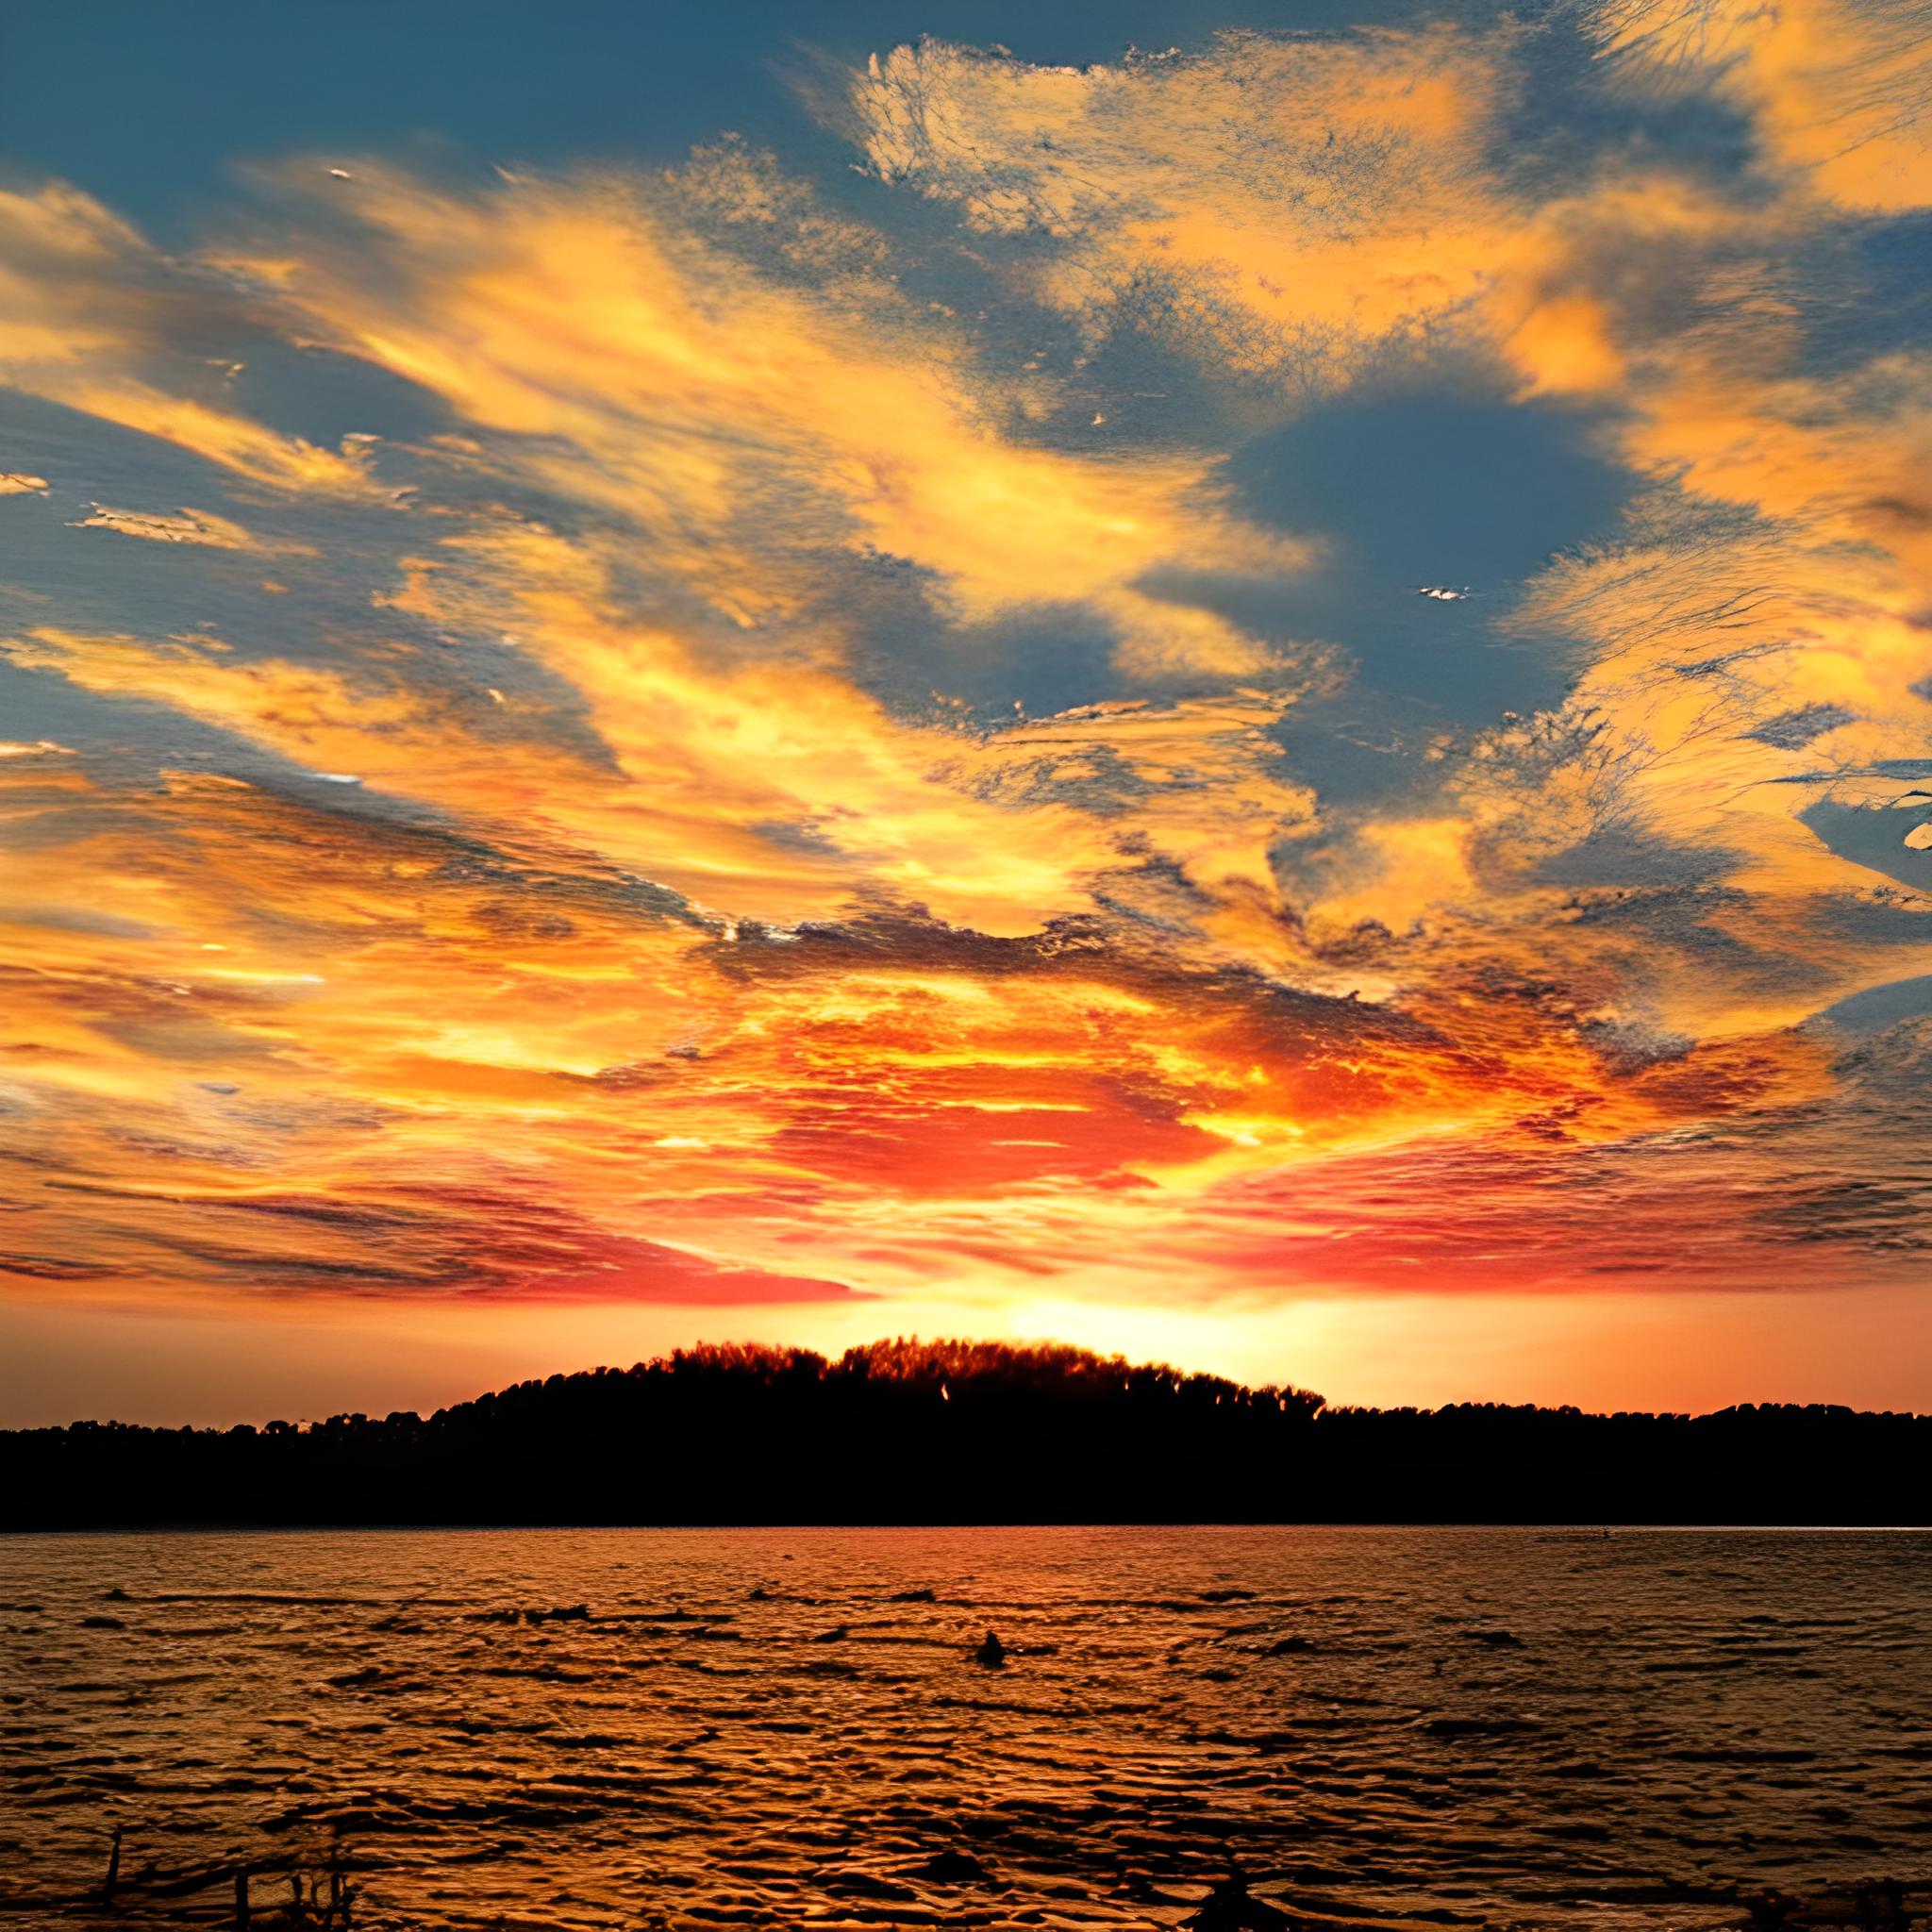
point(803, 673)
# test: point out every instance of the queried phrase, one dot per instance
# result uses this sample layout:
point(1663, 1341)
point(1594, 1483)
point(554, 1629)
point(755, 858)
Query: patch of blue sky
point(1561, 123)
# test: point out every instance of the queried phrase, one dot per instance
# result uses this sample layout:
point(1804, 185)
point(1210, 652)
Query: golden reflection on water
point(788, 1727)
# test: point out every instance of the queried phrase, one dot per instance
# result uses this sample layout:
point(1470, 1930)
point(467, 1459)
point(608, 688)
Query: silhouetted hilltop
point(968, 1432)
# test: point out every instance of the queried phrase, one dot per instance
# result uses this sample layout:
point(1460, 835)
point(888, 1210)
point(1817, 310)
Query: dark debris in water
point(1231, 1907)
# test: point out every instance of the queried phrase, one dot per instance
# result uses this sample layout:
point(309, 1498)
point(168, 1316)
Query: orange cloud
point(1837, 91)
point(574, 899)
point(189, 526)
point(1343, 206)
point(96, 320)
point(746, 417)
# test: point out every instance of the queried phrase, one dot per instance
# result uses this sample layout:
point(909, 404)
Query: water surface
point(1517, 1729)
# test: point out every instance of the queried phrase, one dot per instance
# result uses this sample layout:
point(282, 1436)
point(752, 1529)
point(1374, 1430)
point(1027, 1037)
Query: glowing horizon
point(1269, 703)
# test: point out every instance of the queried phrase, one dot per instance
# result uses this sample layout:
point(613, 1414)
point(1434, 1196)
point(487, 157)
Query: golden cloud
point(570, 907)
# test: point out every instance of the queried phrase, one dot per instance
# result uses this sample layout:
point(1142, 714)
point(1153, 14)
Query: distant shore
point(966, 1432)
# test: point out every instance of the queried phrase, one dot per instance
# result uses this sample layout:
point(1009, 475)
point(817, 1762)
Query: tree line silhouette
point(967, 1432)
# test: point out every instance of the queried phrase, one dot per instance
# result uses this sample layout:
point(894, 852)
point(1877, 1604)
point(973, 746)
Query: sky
point(1250, 685)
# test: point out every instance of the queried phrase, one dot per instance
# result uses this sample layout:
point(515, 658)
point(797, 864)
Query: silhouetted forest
point(968, 1432)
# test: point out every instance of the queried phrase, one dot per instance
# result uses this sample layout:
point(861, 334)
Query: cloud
point(1835, 90)
point(188, 526)
point(99, 321)
point(1277, 206)
point(583, 879)
point(715, 368)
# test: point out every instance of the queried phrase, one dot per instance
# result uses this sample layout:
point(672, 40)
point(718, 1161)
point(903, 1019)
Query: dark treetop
point(968, 1432)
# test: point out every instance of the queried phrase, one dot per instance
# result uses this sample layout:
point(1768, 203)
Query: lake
point(1505, 1727)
